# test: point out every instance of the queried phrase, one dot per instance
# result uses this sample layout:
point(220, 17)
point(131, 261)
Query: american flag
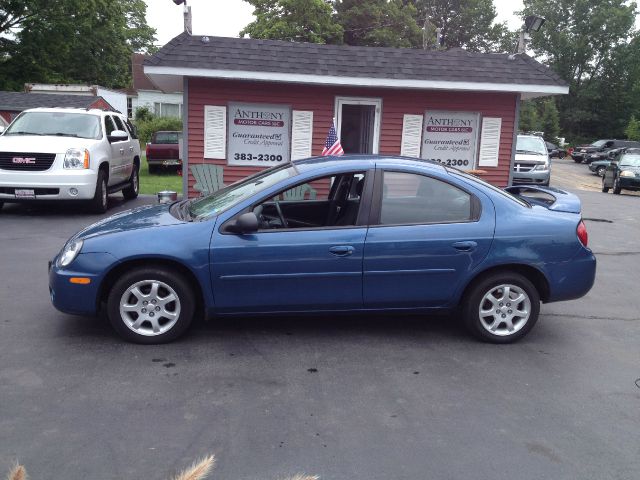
point(332, 145)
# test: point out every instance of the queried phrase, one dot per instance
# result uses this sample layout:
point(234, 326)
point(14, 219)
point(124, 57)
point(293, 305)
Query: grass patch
point(150, 184)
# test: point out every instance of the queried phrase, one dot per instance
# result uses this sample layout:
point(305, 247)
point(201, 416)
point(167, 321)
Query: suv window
point(132, 130)
point(109, 125)
point(119, 123)
point(408, 198)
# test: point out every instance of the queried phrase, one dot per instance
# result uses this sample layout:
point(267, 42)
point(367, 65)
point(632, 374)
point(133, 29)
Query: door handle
point(341, 250)
point(466, 246)
point(131, 149)
point(122, 151)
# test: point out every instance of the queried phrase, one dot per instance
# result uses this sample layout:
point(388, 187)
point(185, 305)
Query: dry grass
point(198, 471)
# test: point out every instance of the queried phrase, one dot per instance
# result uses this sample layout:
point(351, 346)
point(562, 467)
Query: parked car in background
point(69, 154)
point(599, 166)
point(333, 234)
point(598, 162)
point(555, 151)
point(531, 164)
point(164, 150)
point(623, 173)
point(585, 153)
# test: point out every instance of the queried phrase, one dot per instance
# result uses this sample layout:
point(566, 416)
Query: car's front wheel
point(600, 171)
point(151, 305)
point(501, 308)
point(605, 189)
point(616, 186)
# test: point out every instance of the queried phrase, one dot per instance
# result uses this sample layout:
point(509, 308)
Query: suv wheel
point(100, 202)
point(131, 191)
point(605, 189)
point(151, 305)
point(501, 308)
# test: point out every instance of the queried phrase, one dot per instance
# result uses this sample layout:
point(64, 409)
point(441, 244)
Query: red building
point(253, 103)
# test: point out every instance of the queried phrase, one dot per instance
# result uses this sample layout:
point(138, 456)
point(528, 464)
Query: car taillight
point(581, 231)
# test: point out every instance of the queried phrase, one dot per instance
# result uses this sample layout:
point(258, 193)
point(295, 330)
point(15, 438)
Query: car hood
point(630, 168)
point(522, 157)
point(150, 216)
point(42, 144)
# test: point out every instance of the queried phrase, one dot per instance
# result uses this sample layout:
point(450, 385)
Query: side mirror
point(245, 223)
point(118, 136)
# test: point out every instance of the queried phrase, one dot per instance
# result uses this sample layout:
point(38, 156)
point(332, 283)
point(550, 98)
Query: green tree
point(529, 120)
point(467, 24)
point(585, 42)
point(550, 120)
point(297, 20)
point(83, 41)
point(633, 129)
point(379, 23)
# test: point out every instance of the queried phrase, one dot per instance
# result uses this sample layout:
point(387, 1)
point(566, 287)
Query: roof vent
point(205, 39)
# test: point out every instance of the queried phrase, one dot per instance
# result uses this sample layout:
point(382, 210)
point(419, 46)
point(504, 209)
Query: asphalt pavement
point(368, 397)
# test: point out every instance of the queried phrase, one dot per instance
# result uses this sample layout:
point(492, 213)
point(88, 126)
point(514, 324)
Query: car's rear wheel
point(501, 308)
point(100, 202)
point(577, 160)
point(600, 171)
point(616, 186)
point(605, 189)
point(151, 305)
point(131, 191)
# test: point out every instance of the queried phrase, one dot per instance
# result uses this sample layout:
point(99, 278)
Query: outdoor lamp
point(532, 23)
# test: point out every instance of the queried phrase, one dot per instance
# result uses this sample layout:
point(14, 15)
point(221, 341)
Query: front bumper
point(79, 299)
point(572, 279)
point(52, 184)
point(630, 183)
point(532, 177)
point(165, 162)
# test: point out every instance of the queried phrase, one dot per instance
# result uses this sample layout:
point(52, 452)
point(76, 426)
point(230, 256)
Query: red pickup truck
point(164, 151)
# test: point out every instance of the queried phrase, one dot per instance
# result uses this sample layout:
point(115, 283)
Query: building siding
point(321, 100)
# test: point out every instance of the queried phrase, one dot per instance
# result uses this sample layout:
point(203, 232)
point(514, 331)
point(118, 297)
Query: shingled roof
point(276, 60)
point(19, 101)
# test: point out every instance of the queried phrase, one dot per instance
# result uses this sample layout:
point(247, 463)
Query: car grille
point(523, 167)
point(26, 162)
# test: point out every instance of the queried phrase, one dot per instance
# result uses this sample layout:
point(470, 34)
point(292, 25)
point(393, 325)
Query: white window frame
point(376, 102)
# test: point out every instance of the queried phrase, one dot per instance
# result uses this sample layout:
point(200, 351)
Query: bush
point(146, 128)
point(143, 114)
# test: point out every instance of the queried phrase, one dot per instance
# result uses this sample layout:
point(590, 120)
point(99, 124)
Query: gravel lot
point(373, 398)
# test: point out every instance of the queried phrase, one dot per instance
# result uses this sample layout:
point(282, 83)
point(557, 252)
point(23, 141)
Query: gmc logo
point(23, 160)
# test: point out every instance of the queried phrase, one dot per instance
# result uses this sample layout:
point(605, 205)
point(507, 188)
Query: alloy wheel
point(150, 307)
point(504, 310)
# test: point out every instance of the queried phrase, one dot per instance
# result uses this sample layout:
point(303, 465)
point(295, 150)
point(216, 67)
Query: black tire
point(475, 299)
point(100, 202)
point(577, 160)
point(131, 192)
point(600, 171)
point(616, 187)
point(1, 204)
point(604, 188)
point(184, 305)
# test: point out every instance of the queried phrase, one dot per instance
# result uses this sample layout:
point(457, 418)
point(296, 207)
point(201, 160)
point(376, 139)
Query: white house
point(145, 93)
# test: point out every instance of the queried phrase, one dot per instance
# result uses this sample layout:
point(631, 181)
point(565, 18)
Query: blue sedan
point(347, 234)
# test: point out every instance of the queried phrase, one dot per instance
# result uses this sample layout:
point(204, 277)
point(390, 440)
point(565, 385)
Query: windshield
point(630, 160)
point(165, 138)
point(599, 143)
point(62, 124)
point(227, 197)
point(487, 185)
point(531, 145)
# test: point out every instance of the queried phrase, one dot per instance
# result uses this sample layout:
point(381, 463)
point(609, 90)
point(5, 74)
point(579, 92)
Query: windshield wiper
point(60, 134)
point(185, 211)
point(20, 132)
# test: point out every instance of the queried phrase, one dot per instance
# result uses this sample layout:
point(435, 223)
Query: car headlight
point(76, 158)
point(542, 167)
point(69, 253)
point(627, 173)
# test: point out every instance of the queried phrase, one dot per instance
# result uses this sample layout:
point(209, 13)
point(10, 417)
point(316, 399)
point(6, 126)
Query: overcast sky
point(225, 18)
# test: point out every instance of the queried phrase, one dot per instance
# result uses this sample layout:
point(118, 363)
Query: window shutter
point(301, 134)
point(215, 132)
point(490, 142)
point(411, 135)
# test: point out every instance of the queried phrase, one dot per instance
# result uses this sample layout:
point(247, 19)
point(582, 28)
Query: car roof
point(361, 161)
point(634, 151)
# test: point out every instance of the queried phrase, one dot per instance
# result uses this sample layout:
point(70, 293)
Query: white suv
point(69, 154)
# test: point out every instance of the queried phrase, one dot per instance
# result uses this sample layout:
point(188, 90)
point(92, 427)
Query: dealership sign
point(258, 134)
point(450, 138)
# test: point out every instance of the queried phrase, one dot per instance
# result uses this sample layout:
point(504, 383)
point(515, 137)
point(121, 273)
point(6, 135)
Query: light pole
point(187, 15)
point(532, 23)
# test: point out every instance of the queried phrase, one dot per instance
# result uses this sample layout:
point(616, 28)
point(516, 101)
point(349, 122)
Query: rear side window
point(408, 198)
point(120, 124)
point(166, 138)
